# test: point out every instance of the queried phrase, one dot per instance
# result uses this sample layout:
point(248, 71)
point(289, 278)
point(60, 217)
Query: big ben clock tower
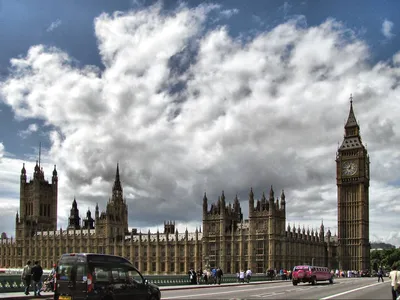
point(352, 179)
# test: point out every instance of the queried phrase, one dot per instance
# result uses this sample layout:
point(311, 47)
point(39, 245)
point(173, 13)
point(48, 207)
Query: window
point(162, 266)
point(69, 270)
point(119, 275)
point(116, 274)
point(135, 276)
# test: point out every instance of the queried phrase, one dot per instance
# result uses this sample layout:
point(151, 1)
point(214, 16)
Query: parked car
point(365, 273)
point(311, 274)
point(100, 276)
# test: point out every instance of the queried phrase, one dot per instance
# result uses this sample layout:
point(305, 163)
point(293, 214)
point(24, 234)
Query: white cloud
point(387, 27)
point(185, 111)
point(227, 13)
point(54, 25)
point(1, 151)
point(31, 128)
point(396, 59)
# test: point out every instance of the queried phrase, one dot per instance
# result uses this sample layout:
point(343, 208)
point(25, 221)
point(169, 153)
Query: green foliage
point(385, 258)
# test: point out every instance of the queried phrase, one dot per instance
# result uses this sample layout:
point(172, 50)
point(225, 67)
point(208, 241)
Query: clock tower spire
point(352, 179)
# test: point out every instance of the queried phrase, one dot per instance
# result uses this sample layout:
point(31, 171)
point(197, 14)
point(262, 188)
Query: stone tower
point(38, 203)
point(267, 217)
point(352, 179)
point(220, 222)
point(114, 221)
point(74, 220)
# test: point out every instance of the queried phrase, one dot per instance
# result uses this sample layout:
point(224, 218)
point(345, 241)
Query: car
point(365, 273)
point(311, 274)
point(100, 276)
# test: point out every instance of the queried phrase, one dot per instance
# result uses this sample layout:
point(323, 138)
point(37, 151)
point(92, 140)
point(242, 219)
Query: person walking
point(37, 273)
point(192, 276)
point(241, 276)
point(198, 276)
point(219, 275)
point(394, 275)
point(26, 276)
point(380, 274)
point(248, 275)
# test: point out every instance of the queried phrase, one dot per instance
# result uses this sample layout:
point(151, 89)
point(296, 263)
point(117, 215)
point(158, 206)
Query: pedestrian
point(205, 276)
point(380, 274)
point(248, 275)
point(37, 273)
point(214, 275)
point(26, 276)
point(219, 275)
point(198, 276)
point(394, 275)
point(192, 276)
point(241, 276)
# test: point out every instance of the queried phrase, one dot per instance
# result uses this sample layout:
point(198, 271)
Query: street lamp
point(312, 261)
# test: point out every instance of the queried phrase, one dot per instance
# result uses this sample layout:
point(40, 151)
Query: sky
point(193, 97)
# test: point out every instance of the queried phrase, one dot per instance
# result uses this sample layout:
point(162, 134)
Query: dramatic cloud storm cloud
point(185, 109)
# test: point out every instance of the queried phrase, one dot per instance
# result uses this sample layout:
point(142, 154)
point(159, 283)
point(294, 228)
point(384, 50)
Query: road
point(348, 288)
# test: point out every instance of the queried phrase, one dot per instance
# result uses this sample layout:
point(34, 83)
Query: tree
point(385, 258)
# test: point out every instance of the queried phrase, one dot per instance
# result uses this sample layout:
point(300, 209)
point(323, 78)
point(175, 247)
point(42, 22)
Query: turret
point(321, 232)
point(54, 178)
point(88, 222)
point(205, 204)
point(236, 204)
point(283, 200)
point(36, 173)
point(74, 219)
point(271, 200)
point(117, 188)
point(251, 202)
point(97, 212)
point(23, 174)
point(264, 203)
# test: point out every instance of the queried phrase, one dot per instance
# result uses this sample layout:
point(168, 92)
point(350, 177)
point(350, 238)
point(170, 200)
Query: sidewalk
point(47, 295)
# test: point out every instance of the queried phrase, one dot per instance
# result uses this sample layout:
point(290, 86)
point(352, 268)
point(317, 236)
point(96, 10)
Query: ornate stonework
point(352, 173)
point(263, 241)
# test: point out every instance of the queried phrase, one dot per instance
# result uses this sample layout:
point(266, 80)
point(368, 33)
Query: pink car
point(311, 274)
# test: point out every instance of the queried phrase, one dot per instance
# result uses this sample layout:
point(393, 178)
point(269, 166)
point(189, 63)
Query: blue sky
point(79, 134)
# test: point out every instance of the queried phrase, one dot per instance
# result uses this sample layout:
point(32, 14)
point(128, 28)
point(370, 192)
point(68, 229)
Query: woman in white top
point(395, 278)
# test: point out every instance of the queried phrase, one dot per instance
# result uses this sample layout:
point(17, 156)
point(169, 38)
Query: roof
point(351, 143)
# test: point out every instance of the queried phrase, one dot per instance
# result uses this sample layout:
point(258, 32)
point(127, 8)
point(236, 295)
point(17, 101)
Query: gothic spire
point(251, 194)
point(117, 183)
point(351, 120)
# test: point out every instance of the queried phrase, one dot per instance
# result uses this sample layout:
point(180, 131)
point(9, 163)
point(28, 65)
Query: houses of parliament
point(262, 241)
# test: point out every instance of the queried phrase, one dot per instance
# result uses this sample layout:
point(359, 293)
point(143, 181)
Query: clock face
point(349, 168)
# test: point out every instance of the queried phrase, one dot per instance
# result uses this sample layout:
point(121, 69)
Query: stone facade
point(263, 241)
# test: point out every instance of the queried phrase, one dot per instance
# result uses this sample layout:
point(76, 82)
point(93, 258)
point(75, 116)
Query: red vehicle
point(311, 274)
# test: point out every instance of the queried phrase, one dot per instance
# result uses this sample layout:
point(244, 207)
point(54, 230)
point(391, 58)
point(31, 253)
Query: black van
point(100, 276)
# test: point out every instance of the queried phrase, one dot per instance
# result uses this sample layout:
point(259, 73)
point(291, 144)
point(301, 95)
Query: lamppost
point(312, 261)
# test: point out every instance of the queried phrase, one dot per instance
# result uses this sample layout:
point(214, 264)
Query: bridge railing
point(13, 283)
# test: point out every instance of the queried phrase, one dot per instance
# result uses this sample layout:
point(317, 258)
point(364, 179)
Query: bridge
point(343, 288)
